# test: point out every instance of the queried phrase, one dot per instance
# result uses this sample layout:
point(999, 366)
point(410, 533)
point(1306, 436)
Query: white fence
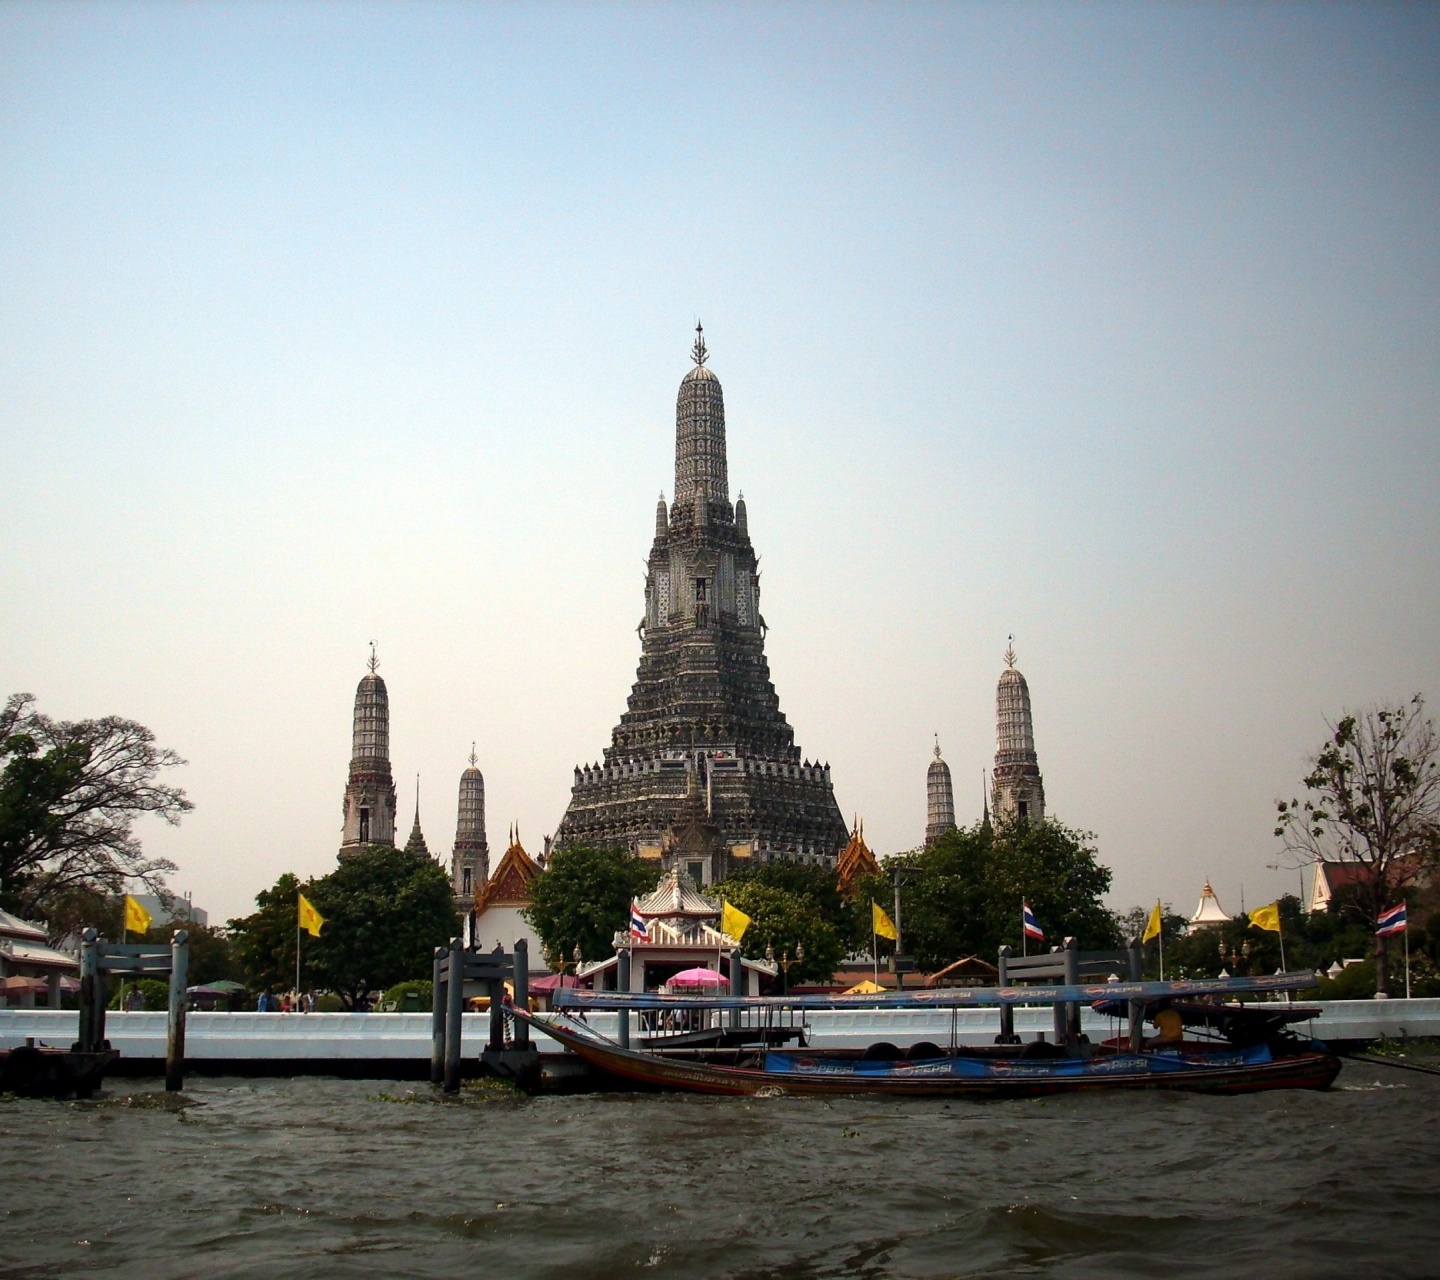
point(383, 1036)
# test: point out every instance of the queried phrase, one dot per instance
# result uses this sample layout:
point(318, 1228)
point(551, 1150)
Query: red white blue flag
point(1391, 921)
point(1032, 925)
point(638, 925)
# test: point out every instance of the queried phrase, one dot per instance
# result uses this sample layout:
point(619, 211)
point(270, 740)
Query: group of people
point(285, 1002)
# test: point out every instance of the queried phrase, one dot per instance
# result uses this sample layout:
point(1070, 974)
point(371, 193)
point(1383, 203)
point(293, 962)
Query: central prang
point(702, 772)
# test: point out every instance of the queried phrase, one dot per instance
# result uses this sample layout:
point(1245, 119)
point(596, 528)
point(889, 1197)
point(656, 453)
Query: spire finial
point(374, 661)
point(417, 799)
point(937, 746)
point(472, 754)
point(698, 352)
point(1010, 652)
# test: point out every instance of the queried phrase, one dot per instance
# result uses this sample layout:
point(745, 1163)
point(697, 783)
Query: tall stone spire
point(416, 843)
point(470, 859)
point(1016, 789)
point(370, 791)
point(939, 798)
point(703, 706)
point(702, 482)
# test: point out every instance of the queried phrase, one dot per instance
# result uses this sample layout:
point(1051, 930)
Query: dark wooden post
point(622, 983)
point(737, 984)
point(437, 1018)
point(1007, 1011)
point(1137, 1007)
point(88, 1040)
point(1059, 1020)
point(1072, 979)
point(522, 991)
point(454, 1006)
point(496, 988)
point(175, 1026)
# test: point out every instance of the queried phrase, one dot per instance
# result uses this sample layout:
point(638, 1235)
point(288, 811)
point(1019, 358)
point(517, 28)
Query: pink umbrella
point(18, 984)
point(698, 978)
point(554, 981)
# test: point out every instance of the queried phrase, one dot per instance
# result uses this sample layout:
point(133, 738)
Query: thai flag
point(1391, 921)
point(1032, 925)
point(638, 926)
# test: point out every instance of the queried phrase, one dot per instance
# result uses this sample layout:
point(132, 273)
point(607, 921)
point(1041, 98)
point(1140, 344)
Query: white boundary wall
point(361, 1036)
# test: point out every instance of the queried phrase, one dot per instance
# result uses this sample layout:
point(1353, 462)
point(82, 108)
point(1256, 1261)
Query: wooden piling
point(454, 1007)
point(522, 991)
point(1007, 1011)
point(90, 978)
point(1072, 979)
point(175, 1025)
point(437, 1018)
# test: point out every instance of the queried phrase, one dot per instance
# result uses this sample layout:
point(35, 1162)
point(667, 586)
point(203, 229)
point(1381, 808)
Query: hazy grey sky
point(1114, 327)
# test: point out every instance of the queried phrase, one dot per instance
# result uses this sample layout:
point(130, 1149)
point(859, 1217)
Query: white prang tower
point(939, 798)
point(370, 792)
point(1016, 789)
point(470, 859)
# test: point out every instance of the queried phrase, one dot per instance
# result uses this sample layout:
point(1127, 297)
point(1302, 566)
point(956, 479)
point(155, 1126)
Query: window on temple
point(696, 870)
point(1024, 808)
point(465, 875)
point(364, 826)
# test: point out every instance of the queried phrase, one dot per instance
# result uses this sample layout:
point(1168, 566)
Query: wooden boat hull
point(814, 1074)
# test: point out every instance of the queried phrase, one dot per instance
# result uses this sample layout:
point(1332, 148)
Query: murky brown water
point(317, 1177)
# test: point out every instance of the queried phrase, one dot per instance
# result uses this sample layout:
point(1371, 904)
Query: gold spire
point(698, 352)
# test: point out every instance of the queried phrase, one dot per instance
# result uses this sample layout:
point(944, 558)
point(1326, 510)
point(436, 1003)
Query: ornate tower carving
point(370, 792)
point(470, 860)
point(416, 842)
point(1016, 788)
point(939, 798)
point(703, 717)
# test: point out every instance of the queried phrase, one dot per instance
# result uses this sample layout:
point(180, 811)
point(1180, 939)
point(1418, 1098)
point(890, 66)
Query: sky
point(1111, 327)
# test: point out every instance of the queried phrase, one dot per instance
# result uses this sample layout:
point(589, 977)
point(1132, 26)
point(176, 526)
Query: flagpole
point(1161, 938)
point(297, 953)
point(1407, 959)
point(1024, 935)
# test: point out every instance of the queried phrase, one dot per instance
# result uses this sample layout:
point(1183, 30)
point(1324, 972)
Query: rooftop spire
point(698, 352)
point(416, 843)
point(374, 661)
point(474, 759)
point(1010, 651)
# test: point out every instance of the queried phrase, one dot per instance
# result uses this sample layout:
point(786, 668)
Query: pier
point(399, 1045)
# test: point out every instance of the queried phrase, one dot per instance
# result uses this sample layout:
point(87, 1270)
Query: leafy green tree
point(584, 898)
point(961, 896)
point(385, 910)
point(263, 943)
point(69, 795)
point(1372, 797)
point(784, 921)
point(1172, 929)
point(817, 885)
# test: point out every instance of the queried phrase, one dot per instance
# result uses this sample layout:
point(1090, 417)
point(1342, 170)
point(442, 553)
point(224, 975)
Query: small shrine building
point(681, 931)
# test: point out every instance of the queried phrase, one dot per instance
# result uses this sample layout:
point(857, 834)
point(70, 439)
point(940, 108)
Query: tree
point(784, 921)
point(1172, 929)
point(961, 896)
point(263, 943)
point(69, 795)
point(1373, 798)
point(385, 910)
point(584, 899)
point(816, 885)
point(211, 959)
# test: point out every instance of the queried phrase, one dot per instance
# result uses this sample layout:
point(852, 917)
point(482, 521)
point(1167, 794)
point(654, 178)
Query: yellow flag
point(310, 919)
point(137, 919)
point(1152, 930)
point(733, 921)
point(1266, 918)
point(881, 924)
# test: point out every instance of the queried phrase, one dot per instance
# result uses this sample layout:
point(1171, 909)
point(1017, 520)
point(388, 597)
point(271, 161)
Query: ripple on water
point(327, 1178)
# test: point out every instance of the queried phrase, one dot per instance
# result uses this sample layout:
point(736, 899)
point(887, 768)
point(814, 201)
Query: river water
point(316, 1178)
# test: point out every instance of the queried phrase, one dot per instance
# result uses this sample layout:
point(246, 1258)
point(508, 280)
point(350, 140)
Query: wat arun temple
point(703, 771)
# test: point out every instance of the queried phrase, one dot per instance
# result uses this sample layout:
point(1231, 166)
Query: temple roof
point(855, 860)
point(676, 895)
point(510, 885)
point(1209, 911)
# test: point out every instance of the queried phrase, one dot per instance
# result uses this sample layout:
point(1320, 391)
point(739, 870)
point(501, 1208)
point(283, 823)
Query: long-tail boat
point(1233, 1048)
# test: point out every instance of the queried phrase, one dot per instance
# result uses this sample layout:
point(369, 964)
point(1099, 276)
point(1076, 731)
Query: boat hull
point(815, 1075)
